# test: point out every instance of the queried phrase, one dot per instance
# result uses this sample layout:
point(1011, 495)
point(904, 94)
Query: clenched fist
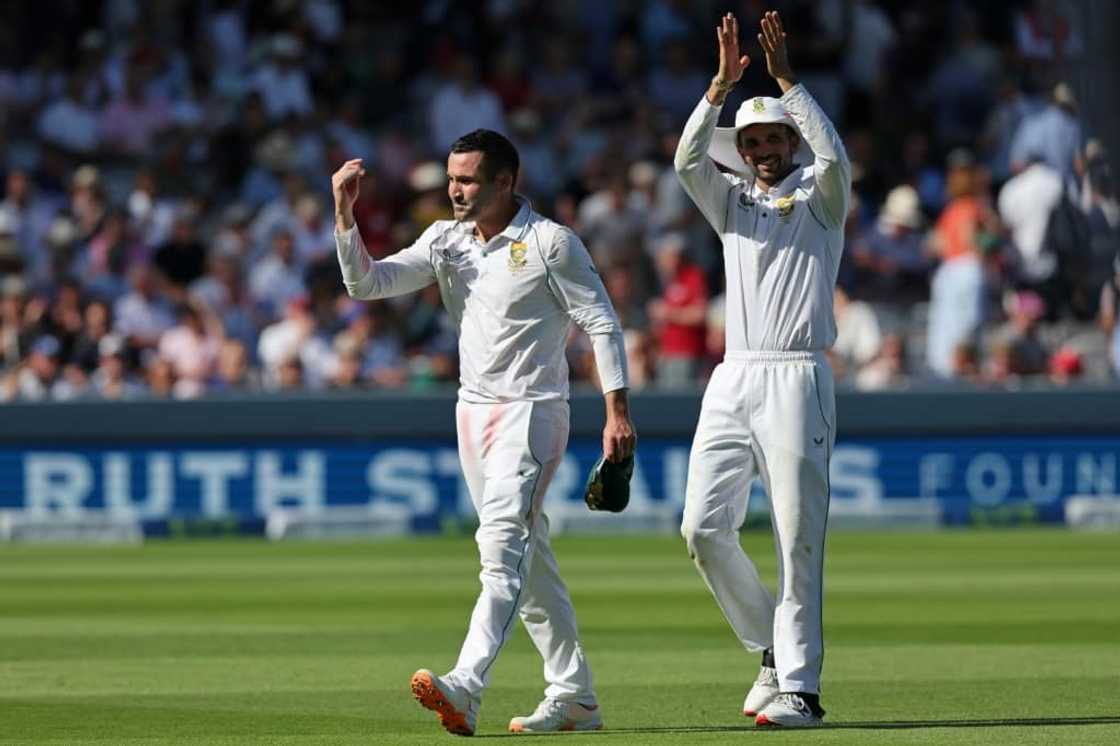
point(344, 184)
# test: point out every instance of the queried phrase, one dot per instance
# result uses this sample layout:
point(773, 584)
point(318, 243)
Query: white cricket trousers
point(509, 453)
point(767, 414)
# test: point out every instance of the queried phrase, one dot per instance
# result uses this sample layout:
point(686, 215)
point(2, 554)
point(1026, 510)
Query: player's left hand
point(773, 41)
point(619, 438)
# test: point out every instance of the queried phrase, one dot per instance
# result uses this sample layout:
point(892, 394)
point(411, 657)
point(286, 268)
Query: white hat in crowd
point(902, 208)
point(427, 176)
point(758, 110)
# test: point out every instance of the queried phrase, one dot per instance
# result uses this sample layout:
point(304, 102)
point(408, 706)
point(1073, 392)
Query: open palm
point(731, 63)
point(773, 41)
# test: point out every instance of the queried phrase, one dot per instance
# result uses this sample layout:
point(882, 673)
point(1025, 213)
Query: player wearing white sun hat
point(769, 409)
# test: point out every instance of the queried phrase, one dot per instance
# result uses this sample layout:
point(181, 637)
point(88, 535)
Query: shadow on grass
point(857, 725)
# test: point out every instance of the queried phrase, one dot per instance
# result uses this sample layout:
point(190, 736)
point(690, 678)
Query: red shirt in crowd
point(687, 288)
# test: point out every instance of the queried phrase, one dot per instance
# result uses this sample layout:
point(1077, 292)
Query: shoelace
point(794, 702)
point(767, 676)
point(551, 708)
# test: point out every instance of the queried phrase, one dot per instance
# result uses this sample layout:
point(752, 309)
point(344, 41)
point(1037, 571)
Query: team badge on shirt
point(517, 255)
point(785, 206)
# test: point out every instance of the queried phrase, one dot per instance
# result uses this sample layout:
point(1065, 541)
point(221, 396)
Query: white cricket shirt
point(513, 301)
point(781, 249)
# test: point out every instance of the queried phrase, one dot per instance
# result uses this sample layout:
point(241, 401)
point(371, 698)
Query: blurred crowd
point(166, 226)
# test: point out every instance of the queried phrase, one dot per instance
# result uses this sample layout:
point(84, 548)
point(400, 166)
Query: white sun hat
point(902, 208)
point(757, 110)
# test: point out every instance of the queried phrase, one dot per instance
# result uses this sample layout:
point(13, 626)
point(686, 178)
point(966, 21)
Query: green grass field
point(953, 637)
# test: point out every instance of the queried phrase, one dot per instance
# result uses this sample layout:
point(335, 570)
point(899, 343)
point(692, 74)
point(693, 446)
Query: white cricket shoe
point(553, 715)
point(457, 712)
point(763, 692)
point(789, 710)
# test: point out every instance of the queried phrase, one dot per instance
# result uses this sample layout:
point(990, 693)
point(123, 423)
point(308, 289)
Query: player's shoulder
point(545, 227)
point(548, 231)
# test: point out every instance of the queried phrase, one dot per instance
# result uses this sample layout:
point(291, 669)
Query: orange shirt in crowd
point(956, 228)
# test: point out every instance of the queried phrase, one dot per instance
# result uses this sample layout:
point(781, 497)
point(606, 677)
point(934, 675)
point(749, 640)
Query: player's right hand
point(731, 63)
point(344, 184)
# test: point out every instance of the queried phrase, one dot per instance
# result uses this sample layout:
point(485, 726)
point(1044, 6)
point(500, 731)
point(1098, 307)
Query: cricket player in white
point(769, 409)
point(513, 283)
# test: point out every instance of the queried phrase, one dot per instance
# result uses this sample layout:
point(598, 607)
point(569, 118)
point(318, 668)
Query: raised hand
point(344, 184)
point(731, 64)
point(773, 41)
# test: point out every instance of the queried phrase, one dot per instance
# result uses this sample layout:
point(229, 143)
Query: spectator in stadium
point(293, 336)
point(958, 291)
point(111, 378)
point(347, 373)
point(279, 213)
point(967, 365)
point(640, 353)
point(222, 292)
point(181, 260)
point(1045, 33)
point(893, 255)
point(133, 119)
point(463, 103)
point(1102, 211)
point(383, 362)
point(34, 380)
point(428, 181)
point(289, 374)
point(378, 212)
point(540, 174)
point(1026, 203)
point(97, 325)
point(1017, 349)
point(613, 222)
point(962, 86)
point(141, 316)
point(1109, 317)
point(65, 317)
point(888, 370)
point(675, 80)
point(12, 337)
point(87, 201)
point(1053, 134)
point(11, 258)
point(1012, 106)
point(191, 346)
point(859, 338)
point(281, 81)
point(72, 383)
point(232, 372)
point(68, 123)
point(27, 214)
point(678, 315)
point(277, 280)
point(557, 82)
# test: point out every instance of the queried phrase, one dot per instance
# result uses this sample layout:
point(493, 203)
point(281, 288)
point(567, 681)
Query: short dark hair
point(498, 153)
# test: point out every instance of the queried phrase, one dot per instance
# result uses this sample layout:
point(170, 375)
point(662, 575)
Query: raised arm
point(404, 272)
point(699, 176)
point(831, 168)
